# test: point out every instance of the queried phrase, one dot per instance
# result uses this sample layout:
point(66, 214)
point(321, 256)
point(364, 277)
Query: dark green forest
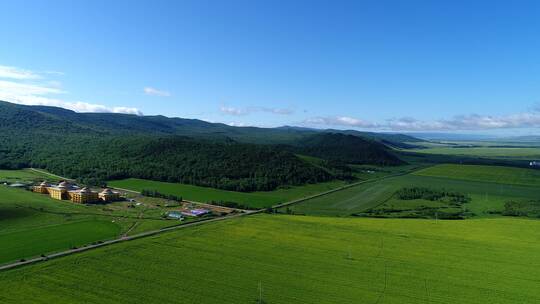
point(94, 147)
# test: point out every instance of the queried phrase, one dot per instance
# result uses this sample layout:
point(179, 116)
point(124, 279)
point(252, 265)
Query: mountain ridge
point(160, 124)
point(97, 147)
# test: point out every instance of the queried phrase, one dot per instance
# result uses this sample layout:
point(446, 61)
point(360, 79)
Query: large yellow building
point(66, 191)
point(61, 191)
point(107, 195)
point(83, 196)
point(41, 188)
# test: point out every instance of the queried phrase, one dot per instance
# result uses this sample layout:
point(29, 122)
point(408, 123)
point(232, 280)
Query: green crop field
point(494, 174)
point(32, 224)
point(492, 152)
point(299, 259)
point(48, 239)
point(25, 175)
point(486, 197)
point(204, 194)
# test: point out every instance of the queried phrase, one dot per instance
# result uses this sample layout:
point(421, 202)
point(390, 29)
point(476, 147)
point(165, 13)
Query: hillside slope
point(102, 146)
point(114, 123)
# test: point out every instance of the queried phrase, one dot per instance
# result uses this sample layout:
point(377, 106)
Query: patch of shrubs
point(157, 194)
point(528, 209)
point(431, 195)
point(449, 205)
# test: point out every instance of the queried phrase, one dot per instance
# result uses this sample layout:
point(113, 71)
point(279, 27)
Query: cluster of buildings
point(180, 214)
point(67, 191)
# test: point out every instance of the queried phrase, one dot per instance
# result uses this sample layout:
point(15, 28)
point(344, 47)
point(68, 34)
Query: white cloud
point(343, 121)
point(236, 124)
point(278, 111)
point(17, 88)
point(155, 92)
point(32, 88)
point(473, 122)
point(16, 73)
point(233, 111)
point(244, 111)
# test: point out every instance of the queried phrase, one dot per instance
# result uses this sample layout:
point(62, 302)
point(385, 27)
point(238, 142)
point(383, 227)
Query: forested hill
point(113, 123)
point(347, 149)
point(94, 147)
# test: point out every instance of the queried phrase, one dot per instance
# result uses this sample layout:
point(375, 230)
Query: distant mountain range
point(113, 123)
point(436, 136)
point(100, 146)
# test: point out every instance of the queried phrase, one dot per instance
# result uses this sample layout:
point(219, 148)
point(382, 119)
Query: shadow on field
point(14, 213)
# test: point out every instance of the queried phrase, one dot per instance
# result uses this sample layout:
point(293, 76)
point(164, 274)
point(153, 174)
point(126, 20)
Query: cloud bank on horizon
point(245, 111)
point(29, 87)
point(472, 122)
point(34, 88)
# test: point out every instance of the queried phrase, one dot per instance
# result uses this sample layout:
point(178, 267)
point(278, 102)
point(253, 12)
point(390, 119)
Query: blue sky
point(376, 65)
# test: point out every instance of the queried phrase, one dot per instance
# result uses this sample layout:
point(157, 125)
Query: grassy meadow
point(531, 153)
point(256, 200)
point(492, 174)
point(25, 175)
point(204, 194)
point(48, 239)
point(487, 196)
point(32, 224)
point(299, 259)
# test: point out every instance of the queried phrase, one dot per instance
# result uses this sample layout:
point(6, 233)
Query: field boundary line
point(296, 201)
point(50, 174)
point(127, 190)
point(119, 240)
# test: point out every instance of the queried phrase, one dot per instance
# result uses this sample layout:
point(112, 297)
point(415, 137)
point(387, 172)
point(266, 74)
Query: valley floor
point(299, 259)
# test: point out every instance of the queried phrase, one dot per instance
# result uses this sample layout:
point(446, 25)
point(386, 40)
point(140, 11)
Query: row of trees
point(157, 194)
point(523, 208)
point(431, 195)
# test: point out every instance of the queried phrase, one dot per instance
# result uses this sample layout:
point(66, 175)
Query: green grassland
point(492, 174)
point(486, 197)
point(32, 224)
point(420, 202)
point(25, 175)
point(299, 259)
point(491, 152)
point(204, 194)
point(412, 209)
point(48, 239)
point(261, 199)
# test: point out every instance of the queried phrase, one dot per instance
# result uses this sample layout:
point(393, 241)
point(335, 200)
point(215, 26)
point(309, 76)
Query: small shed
point(175, 215)
point(196, 212)
point(17, 185)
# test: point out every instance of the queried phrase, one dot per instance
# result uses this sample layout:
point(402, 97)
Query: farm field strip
point(256, 200)
point(494, 152)
point(493, 174)
point(26, 175)
point(205, 195)
point(123, 238)
point(299, 260)
point(29, 243)
point(487, 197)
point(45, 173)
